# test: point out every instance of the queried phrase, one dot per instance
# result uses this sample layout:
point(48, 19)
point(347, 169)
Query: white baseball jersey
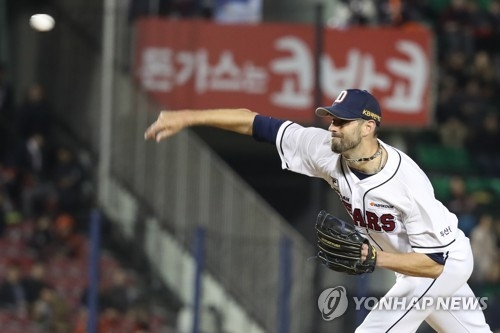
point(395, 209)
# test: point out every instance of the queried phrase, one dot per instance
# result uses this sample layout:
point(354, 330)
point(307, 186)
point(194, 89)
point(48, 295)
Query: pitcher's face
point(346, 134)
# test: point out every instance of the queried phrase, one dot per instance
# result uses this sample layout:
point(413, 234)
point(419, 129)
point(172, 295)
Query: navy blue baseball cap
point(353, 104)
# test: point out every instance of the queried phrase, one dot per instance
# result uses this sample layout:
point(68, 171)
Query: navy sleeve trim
point(437, 257)
point(265, 129)
point(433, 247)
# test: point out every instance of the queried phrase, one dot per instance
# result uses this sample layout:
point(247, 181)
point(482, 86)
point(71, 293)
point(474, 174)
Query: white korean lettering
point(156, 71)
point(254, 80)
point(334, 79)
point(298, 72)
point(408, 93)
point(225, 75)
point(187, 63)
point(359, 71)
point(370, 79)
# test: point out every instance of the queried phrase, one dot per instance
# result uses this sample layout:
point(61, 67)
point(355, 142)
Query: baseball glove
point(339, 246)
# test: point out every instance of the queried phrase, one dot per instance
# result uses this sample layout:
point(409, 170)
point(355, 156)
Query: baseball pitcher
point(397, 223)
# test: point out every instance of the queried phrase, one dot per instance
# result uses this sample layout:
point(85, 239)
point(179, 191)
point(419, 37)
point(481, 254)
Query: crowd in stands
point(44, 209)
point(171, 8)
point(468, 116)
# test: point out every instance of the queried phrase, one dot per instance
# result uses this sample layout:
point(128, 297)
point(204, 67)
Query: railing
point(186, 186)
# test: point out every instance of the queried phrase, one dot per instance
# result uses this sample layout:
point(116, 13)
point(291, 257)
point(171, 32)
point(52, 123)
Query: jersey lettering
point(357, 217)
point(388, 223)
point(385, 223)
point(372, 221)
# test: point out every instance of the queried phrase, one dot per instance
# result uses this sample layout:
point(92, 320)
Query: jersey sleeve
point(305, 150)
point(265, 129)
point(430, 226)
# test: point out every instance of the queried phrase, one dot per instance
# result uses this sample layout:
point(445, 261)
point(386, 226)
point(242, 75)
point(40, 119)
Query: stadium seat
point(441, 186)
point(437, 158)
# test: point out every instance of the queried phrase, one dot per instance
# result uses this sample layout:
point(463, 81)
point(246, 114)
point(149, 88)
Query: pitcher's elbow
point(436, 271)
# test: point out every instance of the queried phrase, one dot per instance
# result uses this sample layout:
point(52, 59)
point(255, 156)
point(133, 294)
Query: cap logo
point(341, 96)
point(372, 115)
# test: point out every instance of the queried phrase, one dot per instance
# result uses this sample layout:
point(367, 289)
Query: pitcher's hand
point(167, 124)
point(364, 252)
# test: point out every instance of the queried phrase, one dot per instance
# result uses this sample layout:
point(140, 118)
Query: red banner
point(269, 68)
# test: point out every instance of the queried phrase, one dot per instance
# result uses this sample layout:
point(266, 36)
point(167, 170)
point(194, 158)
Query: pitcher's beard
point(341, 145)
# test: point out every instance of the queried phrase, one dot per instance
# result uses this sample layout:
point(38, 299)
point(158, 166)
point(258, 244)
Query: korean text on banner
point(269, 68)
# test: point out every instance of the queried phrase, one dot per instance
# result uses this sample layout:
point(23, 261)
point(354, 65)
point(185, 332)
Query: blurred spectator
point(412, 11)
point(141, 8)
point(462, 203)
point(491, 45)
point(34, 165)
point(119, 295)
point(472, 104)
point(234, 11)
point(6, 98)
point(3, 211)
point(12, 292)
point(448, 99)
point(41, 238)
point(141, 327)
point(455, 29)
point(483, 144)
point(67, 242)
point(33, 157)
point(6, 112)
point(11, 187)
point(52, 312)
point(482, 26)
point(81, 321)
point(363, 12)
point(34, 282)
point(109, 321)
point(141, 320)
point(34, 115)
point(353, 13)
point(484, 247)
point(182, 8)
point(186, 8)
point(455, 68)
point(453, 133)
point(68, 178)
point(483, 72)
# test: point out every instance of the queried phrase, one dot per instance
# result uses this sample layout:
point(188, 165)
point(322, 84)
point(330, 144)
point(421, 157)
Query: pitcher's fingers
point(151, 131)
point(364, 250)
point(162, 135)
